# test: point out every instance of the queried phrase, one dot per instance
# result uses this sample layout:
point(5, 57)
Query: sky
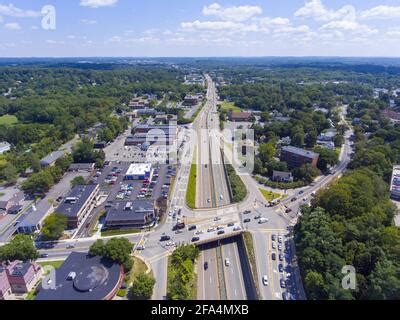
point(199, 28)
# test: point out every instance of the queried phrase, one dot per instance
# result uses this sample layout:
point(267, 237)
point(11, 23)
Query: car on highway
point(194, 239)
point(199, 232)
point(246, 220)
point(282, 283)
point(273, 256)
point(140, 248)
point(265, 280)
point(44, 255)
point(237, 228)
point(192, 227)
point(210, 229)
point(220, 232)
point(230, 225)
point(205, 265)
point(301, 191)
point(221, 197)
point(70, 246)
point(227, 262)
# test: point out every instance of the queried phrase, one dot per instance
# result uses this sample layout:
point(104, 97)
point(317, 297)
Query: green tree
point(142, 288)
point(21, 247)
point(98, 248)
point(267, 151)
point(38, 183)
point(79, 180)
point(327, 158)
point(54, 226)
point(306, 172)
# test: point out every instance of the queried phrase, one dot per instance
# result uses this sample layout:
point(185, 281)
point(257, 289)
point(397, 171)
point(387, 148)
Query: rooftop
point(138, 168)
point(137, 210)
point(300, 152)
point(82, 277)
point(52, 157)
point(76, 199)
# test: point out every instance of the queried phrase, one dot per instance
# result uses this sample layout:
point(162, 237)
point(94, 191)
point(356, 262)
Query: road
point(207, 279)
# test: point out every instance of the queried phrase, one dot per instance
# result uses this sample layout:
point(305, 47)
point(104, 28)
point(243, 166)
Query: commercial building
point(4, 147)
point(18, 278)
point(79, 202)
point(133, 214)
point(139, 171)
point(240, 116)
point(84, 277)
point(395, 183)
point(191, 100)
point(51, 159)
point(296, 157)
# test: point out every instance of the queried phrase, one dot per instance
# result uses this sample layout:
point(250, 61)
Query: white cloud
point(381, 12)
point(98, 3)
point(12, 11)
point(351, 26)
point(394, 32)
point(316, 10)
point(211, 25)
point(12, 26)
point(238, 14)
point(88, 22)
point(115, 39)
point(293, 30)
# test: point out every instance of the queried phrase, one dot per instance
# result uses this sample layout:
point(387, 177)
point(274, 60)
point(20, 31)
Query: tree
point(38, 183)
point(79, 180)
point(84, 152)
point(327, 158)
point(54, 226)
point(338, 140)
point(98, 248)
point(9, 174)
point(21, 247)
point(306, 172)
point(267, 151)
point(142, 288)
point(116, 249)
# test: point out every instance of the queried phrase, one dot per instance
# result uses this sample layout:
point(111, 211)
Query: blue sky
point(201, 28)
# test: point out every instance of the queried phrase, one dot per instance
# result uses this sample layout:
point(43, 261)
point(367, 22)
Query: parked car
point(194, 239)
point(246, 220)
point(273, 256)
point(220, 232)
point(192, 227)
point(282, 283)
point(165, 238)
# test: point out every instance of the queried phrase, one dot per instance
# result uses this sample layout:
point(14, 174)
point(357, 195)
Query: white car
point(227, 262)
point(210, 229)
point(265, 280)
point(273, 245)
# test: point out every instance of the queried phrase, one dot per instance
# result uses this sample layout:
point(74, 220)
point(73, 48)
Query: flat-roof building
point(240, 116)
point(296, 157)
point(131, 214)
point(34, 217)
point(139, 171)
point(84, 277)
point(78, 203)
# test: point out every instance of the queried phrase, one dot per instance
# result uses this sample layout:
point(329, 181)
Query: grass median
point(191, 188)
point(269, 195)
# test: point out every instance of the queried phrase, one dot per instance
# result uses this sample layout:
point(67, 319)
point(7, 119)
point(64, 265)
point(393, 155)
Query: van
point(262, 220)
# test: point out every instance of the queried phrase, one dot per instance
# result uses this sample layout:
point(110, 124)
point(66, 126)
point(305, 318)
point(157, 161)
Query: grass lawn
point(54, 264)
point(138, 267)
point(230, 106)
point(191, 188)
point(269, 195)
point(248, 241)
point(117, 232)
point(8, 119)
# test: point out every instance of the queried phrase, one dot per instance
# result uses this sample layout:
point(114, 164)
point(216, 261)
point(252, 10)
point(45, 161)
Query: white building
point(4, 147)
point(395, 183)
point(139, 171)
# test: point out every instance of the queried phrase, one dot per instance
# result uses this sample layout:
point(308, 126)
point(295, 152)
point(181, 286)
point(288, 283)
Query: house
point(51, 159)
point(240, 116)
point(18, 277)
point(296, 157)
point(4, 147)
point(134, 214)
point(281, 176)
point(34, 217)
point(78, 203)
point(83, 277)
point(5, 287)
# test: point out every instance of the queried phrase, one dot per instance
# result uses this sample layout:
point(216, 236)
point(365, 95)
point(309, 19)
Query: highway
point(208, 286)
